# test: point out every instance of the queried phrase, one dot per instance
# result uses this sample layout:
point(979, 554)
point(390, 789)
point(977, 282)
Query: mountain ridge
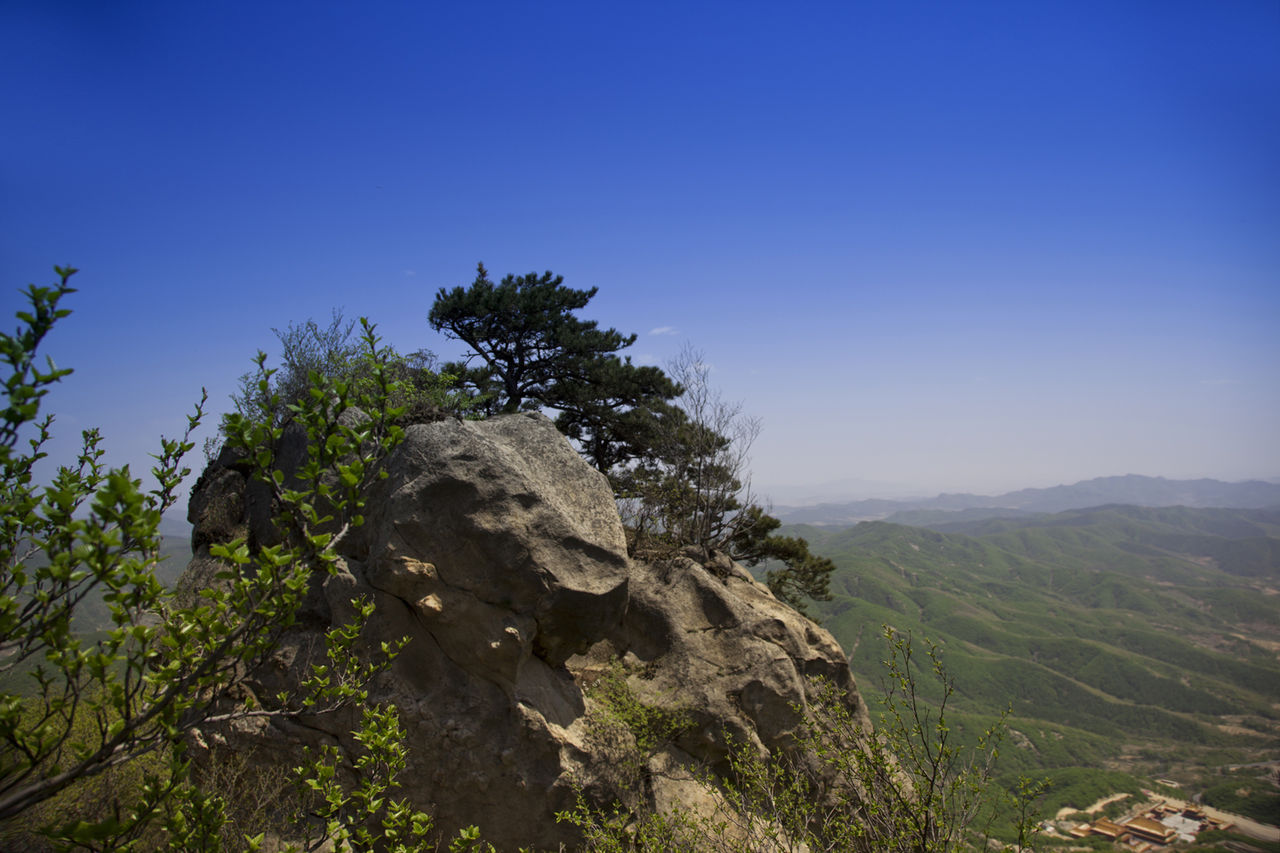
point(1128, 489)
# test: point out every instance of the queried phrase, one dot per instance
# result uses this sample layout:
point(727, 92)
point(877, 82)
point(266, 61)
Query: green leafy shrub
point(416, 390)
point(102, 720)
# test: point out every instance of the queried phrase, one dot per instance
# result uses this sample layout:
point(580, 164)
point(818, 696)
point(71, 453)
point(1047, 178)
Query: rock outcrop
point(499, 553)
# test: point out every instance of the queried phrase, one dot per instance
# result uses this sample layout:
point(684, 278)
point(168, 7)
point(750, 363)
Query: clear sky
point(932, 246)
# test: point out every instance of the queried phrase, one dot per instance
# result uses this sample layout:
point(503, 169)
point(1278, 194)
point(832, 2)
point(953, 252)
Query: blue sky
point(932, 246)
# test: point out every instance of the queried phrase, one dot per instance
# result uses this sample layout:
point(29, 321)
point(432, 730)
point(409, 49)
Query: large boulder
point(499, 554)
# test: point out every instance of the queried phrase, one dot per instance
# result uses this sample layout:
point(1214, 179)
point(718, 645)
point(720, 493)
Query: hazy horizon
point(840, 491)
point(977, 248)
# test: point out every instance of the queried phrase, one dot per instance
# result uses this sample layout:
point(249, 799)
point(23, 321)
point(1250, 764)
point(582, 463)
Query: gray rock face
point(499, 553)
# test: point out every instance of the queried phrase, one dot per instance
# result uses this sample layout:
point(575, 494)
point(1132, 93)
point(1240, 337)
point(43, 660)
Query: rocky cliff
point(498, 552)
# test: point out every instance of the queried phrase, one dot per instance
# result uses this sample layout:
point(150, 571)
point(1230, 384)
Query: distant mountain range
point(1131, 489)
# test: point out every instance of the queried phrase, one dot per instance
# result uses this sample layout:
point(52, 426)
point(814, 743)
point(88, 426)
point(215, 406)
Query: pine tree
point(524, 331)
point(617, 415)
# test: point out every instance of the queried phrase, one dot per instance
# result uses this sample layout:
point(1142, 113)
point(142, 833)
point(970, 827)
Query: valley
point(1129, 643)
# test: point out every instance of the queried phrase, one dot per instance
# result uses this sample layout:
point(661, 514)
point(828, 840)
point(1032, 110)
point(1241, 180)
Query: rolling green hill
point(93, 616)
point(1121, 637)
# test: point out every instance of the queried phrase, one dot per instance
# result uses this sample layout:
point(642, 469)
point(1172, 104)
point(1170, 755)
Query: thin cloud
point(669, 331)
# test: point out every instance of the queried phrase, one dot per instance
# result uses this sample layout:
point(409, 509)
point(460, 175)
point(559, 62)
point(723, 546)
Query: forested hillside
point(1121, 637)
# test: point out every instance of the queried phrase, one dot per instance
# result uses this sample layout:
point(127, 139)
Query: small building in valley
point(1160, 825)
point(1151, 830)
point(1109, 829)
